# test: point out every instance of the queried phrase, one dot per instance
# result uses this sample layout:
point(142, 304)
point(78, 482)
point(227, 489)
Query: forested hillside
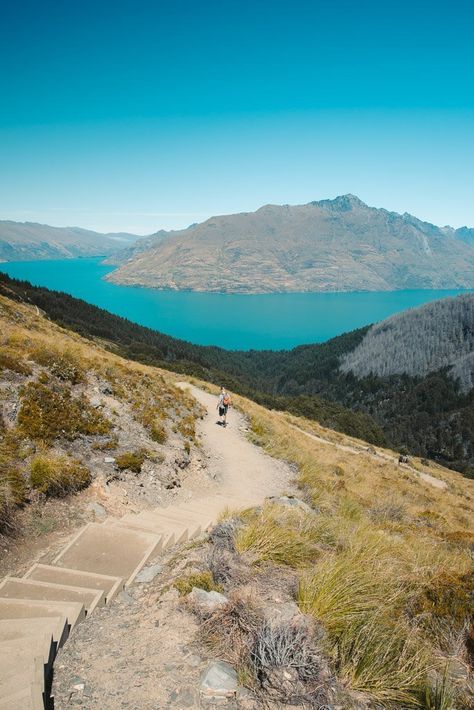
point(427, 415)
point(417, 342)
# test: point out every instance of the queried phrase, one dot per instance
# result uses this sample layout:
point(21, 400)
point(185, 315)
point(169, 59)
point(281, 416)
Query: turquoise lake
point(273, 321)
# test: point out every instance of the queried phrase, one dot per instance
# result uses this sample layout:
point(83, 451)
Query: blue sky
point(137, 116)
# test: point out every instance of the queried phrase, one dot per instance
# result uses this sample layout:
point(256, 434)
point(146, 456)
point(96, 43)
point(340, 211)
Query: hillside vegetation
point(66, 404)
point(330, 245)
point(425, 415)
point(379, 559)
point(420, 341)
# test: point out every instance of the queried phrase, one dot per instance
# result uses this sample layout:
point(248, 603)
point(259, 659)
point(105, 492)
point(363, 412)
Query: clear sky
point(140, 115)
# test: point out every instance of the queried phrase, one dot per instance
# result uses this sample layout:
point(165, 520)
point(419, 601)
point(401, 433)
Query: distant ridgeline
point(406, 382)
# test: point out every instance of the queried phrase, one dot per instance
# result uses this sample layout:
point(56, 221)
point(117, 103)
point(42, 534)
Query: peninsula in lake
point(330, 245)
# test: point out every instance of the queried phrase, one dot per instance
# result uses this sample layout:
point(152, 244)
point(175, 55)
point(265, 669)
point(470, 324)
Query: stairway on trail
point(41, 609)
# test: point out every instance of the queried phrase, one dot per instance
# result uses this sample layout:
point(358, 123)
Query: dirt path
point(426, 477)
point(139, 653)
point(238, 467)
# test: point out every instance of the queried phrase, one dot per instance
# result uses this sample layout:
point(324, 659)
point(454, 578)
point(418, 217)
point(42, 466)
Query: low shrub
point(13, 488)
point(203, 580)
point(11, 361)
point(63, 364)
point(49, 412)
point(12, 494)
point(186, 427)
point(131, 460)
point(109, 444)
point(158, 432)
point(56, 475)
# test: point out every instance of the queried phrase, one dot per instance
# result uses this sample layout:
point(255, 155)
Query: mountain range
point(330, 245)
point(28, 241)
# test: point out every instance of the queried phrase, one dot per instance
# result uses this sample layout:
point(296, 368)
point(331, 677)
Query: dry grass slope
point(50, 421)
point(383, 561)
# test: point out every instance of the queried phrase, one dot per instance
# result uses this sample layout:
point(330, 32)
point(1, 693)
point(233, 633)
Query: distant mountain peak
point(342, 203)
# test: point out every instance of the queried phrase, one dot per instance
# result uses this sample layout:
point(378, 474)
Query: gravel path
point(138, 652)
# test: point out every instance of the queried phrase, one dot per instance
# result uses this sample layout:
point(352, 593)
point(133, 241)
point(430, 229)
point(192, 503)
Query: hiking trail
point(88, 614)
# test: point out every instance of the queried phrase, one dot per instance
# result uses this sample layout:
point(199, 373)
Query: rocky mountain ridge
point(330, 245)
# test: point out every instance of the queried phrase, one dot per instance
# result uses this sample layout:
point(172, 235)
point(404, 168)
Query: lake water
point(273, 321)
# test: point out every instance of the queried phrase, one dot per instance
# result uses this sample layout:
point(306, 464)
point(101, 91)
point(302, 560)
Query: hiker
point(223, 404)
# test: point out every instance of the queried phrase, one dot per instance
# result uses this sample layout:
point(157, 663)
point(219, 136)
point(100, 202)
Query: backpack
point(226, 400)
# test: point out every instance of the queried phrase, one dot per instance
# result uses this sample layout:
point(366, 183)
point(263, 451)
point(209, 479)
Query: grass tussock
point(56, 475)
point(385, 659)
point(202, 580)
point(278, 535)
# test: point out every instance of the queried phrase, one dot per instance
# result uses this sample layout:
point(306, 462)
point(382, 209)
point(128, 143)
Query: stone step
point(15, 588)
point(76, 578)
point(22, 671)
point(110, 550)
point(11, 629)
point(29, 698)
point(71, 612)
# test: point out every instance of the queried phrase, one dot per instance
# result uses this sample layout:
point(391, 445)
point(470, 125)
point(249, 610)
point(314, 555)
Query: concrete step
point(168, 538)
point(188, 517)
point(11, 629)
point(22, 670)
point(15, 588)
point(110, 550)
point(40, 645)
point(29, 698)
point(169, 521)
point(71, 612)
point(111, 586)
point(148, 520)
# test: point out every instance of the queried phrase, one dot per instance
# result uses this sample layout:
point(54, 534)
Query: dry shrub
point(57, 474)
point(12, 494)
point(228, 568)
point(231, 630)
point(286, 659)
point(222, 535)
